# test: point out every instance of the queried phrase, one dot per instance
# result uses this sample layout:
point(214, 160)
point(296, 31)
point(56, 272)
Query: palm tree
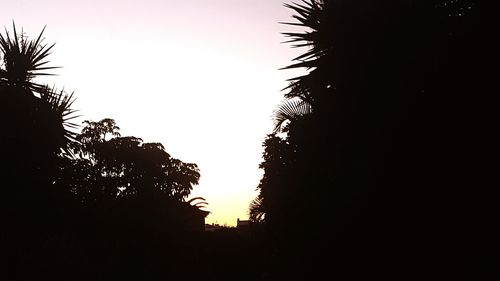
point(391, 85)
point(36, 115)
point(36, 119)
point(36, 126)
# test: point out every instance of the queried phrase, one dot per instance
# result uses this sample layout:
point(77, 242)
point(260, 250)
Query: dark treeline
point(376, 157)
point(372, 169)
point(94, 205)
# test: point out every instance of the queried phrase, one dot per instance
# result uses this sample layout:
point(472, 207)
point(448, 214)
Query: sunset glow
point(201, 77)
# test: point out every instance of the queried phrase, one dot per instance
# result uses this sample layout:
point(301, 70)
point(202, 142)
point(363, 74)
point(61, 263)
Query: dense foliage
point(105, 166)
point(364, 161)
point(88, 203)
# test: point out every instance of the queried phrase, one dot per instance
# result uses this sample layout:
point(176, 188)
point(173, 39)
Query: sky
point(200, 76)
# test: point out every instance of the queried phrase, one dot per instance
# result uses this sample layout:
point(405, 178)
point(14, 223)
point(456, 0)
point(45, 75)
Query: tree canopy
point(105, 166)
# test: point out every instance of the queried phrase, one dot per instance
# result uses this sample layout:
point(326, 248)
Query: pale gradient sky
point(199, 76)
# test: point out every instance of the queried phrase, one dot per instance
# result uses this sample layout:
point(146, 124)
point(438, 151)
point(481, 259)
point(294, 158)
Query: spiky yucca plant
point(32, 111)
point(23, 59)
point(317, 37)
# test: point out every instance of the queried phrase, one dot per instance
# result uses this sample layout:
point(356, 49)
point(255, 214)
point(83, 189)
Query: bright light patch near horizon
point(201, 77)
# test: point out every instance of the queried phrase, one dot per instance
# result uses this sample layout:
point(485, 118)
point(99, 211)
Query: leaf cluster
point(107, 166)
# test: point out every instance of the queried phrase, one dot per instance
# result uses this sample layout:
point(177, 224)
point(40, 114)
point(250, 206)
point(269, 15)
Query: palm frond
point(257, 212)
point(289, 110)
point(60, 105)
point(317, 37)
point(201, 204)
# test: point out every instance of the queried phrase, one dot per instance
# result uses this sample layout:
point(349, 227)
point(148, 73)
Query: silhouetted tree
point(131, 195)
point(36, 127)
point(106, 166)
point(32, 112)
point(370, 162)
point(36, 118)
